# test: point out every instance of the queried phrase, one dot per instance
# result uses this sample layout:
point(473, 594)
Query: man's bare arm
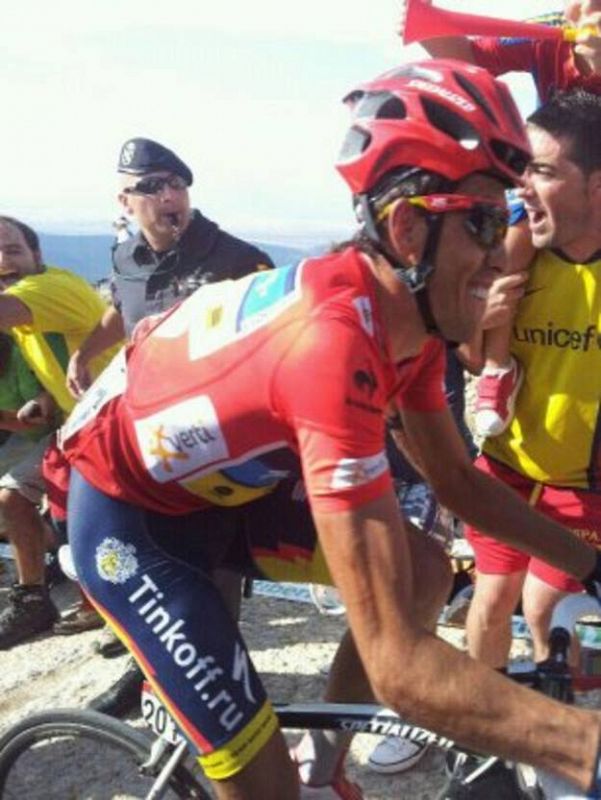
point(367, 553)
point(108, 332)
point(13, 312)
point(449, 47)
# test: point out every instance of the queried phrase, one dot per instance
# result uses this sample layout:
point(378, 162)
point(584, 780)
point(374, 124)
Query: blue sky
point(247, 93)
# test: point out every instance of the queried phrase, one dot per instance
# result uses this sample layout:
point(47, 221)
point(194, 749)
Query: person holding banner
point(569, 60)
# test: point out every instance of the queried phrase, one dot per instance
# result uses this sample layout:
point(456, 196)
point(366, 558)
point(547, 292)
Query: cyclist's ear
point(406, 231)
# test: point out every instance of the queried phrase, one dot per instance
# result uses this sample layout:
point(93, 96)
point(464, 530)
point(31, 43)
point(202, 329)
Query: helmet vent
point(509, 108)
point(380, 105)
point(450, 123)
point(355, 142)
point(517, 160)
point(476, 95)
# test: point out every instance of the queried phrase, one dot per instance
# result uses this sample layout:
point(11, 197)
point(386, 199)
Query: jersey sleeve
point(423, 384)
point(59, 301)
point(503, 55)
point(331, 391)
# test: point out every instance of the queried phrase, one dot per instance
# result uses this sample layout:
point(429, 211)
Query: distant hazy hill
point(90, 256)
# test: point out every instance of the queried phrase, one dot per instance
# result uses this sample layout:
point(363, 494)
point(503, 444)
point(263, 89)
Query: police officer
point(176, 250)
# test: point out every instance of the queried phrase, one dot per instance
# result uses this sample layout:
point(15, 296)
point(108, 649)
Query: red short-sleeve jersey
point(249, 381)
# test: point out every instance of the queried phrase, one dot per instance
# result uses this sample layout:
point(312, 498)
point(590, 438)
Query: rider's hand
point(78, 375)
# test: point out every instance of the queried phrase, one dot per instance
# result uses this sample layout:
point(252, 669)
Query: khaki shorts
point(21, 465)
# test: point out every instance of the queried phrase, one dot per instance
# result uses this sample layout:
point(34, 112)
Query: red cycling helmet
point(440, 115)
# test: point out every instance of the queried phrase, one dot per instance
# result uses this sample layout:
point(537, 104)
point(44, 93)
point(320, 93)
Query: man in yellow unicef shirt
point(551, 453)
point(49, 312)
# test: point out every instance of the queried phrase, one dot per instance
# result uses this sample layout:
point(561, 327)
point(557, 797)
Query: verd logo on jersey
point(181, 439)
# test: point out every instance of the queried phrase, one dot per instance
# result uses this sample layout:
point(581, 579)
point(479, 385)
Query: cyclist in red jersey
point(201, 429)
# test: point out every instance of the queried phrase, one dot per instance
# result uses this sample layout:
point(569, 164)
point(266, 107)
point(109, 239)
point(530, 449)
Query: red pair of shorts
point(577, 509)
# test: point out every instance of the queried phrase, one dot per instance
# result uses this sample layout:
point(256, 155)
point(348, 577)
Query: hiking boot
point(29, 611)
point(123, 696)
point(392, 755)
point(497, 390)
point(82, 618)
point(108, 644)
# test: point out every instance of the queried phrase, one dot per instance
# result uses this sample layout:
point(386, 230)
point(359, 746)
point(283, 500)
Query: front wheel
point(82, 755)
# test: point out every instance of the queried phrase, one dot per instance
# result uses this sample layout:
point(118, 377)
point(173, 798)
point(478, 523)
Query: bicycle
point(164, 767)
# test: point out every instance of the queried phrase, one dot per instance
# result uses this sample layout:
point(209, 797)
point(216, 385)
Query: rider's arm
point(367, 551)
point(486, 503)
point(108, 332)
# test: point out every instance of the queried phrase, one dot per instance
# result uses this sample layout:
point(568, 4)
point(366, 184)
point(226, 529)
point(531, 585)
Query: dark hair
point(575, 116)
point(30, 236)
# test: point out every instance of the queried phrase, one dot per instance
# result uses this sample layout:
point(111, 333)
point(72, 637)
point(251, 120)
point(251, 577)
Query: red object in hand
point(424, 21)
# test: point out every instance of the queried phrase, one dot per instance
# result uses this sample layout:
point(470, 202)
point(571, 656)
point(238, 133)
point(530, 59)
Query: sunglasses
point(485, 221)
point(154, 185)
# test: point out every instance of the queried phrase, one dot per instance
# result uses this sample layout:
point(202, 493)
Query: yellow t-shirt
point(555, 434)
point(65, 309)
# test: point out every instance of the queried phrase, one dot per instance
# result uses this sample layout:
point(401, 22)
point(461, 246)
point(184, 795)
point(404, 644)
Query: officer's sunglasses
point(155, 184)
point(485, 220)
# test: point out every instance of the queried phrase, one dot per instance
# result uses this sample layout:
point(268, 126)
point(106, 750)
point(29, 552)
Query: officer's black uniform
point(145, 282)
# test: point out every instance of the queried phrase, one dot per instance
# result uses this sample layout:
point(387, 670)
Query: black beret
point(141, 156)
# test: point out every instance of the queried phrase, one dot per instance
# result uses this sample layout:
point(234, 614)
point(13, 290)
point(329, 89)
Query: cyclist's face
point(563, 205)
point(464, 270)
point(162, 216)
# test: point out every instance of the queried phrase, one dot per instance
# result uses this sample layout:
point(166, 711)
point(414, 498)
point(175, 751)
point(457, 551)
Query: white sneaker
point(496, 392)
point(392, 754)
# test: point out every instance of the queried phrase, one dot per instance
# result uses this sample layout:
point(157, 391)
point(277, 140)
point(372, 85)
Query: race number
point(157, 717)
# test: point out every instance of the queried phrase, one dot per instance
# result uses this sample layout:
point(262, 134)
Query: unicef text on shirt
point(560, 337)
